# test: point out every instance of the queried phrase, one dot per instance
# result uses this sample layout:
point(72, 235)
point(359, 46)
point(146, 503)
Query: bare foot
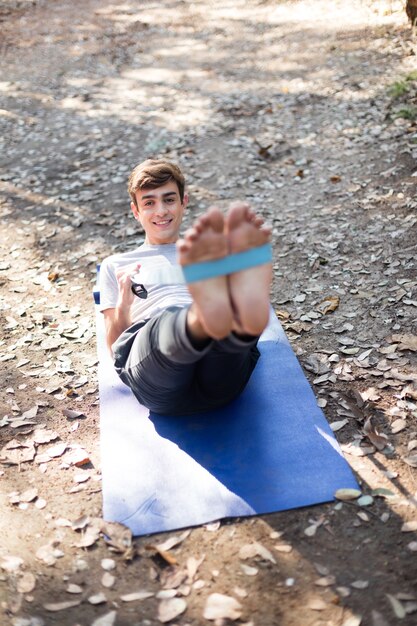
point(249, 289)
point(212, 309)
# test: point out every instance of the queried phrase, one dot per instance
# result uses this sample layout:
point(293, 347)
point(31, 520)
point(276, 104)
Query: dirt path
point(285, 104)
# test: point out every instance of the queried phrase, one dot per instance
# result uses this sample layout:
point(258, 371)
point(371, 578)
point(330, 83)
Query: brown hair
point(154, 173)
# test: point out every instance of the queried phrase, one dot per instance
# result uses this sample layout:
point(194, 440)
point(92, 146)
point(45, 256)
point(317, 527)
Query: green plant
point(407, 113)
point(401, 87)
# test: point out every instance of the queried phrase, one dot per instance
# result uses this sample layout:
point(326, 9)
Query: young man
point(184, 349)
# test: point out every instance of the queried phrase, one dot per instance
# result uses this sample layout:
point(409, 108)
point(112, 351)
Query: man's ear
point(185, 200)
point(135, 211)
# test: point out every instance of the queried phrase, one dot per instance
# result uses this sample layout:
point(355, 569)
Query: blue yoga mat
point(270, 450)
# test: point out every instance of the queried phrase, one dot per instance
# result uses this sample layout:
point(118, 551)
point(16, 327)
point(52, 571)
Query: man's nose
point(160, 208)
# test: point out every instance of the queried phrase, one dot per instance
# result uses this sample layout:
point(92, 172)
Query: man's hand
point(118, 319)
point(123, 275)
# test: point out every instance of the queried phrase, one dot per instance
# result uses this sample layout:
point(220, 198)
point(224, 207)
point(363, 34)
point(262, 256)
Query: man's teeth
point(162, 223)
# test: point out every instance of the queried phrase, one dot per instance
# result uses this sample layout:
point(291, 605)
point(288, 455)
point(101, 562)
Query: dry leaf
point(219, 606)
point(57, 450)
point(118, 536)
point(42, 435)
point(77, 457)
point(250, 550)
point(398, 425)
point(397, 607)
point(72, 588)
point(170, 609)
point(61, 606)
point(380, 441)
point(11, 563)
point(411, 460)
point(16, 452)
point(283, 547)
point(335, 426)
point(29, 495)
point(328, 305)
point(49, 553)
point(98, 598)
point(409, 527)
point(72, 415)
point(108, 580)
point(347, 494)
point(317, 604)
point(137, 595)
point(192, 567)
point(360, 584)
point(248, 570)
point(26, 583)
point(325, 581)
point(171, 542)
point(405, 341)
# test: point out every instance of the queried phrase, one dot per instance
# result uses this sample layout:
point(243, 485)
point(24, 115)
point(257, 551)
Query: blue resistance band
point(228, 265)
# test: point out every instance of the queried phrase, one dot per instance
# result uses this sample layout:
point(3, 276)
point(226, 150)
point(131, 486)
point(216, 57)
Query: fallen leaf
point(108, 580)
point(283, 547)
point(137, 595)
point(219, 606)
point(57, 450)
point(26, 583)
point(77, 457)
point(398, 425)
point(406, 341)
point(72, 588)
point(325, 581)
point(98, 598)
point(347, 494)
point(365, 501)
point(71, 414)
point(170, 609)
point(16, 452)
point(328, 305)
point(335, 426)
point(316, 604)
point(248, 570)
point(11, 563)
point(360, 584)
point(29, 495)
point(397, 607)
point(105, 620)
point(380, 441)
point(53, 607)
point(171, 542)
point(251, 550)
point(409, 527)
point(192, 567)
point(353, 620)
point(411, 460)
point(43, 435)
point(119, 537)
point(48, 553)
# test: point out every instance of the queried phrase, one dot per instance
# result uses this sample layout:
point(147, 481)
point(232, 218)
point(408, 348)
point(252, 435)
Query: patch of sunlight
point(374, 473)
point(184, 48)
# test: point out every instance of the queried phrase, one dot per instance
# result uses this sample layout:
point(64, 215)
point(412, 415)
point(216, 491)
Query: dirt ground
point(306, 109)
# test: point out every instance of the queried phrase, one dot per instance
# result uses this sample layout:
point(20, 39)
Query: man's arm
point(117, 319)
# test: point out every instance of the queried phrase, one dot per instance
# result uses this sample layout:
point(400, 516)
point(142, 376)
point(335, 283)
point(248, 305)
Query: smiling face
point(160, 211)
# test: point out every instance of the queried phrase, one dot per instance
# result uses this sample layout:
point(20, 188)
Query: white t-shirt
point(159, 296)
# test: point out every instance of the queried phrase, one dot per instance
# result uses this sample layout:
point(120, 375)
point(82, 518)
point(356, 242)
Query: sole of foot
point(249, 288)
point(206, 241)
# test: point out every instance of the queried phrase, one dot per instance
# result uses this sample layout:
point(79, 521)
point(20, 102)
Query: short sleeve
point(109, 289)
